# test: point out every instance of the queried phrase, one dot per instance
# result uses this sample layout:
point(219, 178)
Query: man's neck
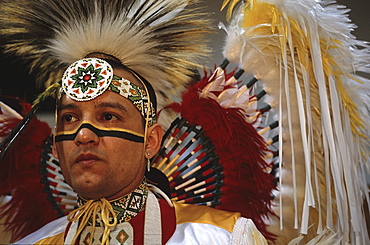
point(128, 206)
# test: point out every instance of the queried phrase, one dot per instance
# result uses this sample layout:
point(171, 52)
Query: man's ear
point(54, 149)
point(154, 139)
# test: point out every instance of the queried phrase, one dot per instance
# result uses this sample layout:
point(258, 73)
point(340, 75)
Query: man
point(103, 140)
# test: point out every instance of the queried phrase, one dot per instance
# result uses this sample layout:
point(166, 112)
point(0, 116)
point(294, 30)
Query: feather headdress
point(160, 40)
point(303, 53)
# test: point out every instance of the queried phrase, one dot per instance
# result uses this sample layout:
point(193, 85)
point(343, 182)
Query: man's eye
point(68, 118)
point(109, 117)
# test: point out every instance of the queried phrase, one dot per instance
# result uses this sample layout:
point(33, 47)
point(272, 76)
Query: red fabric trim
point(168, 223)
point(67, 230)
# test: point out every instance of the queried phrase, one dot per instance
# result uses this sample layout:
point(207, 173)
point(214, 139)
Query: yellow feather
point(231, 7)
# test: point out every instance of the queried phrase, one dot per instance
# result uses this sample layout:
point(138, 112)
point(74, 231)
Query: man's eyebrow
point(66, 106)
point(114, 105)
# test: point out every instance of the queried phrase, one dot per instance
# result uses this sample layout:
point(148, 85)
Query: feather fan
point(241, 150)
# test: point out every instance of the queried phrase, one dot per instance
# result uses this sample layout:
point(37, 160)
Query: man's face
point(95, 166)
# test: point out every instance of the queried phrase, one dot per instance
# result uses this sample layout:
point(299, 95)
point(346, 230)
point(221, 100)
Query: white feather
point(321, 153)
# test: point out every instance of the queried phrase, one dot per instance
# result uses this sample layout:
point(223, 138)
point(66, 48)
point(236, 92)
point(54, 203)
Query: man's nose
point(86, 136)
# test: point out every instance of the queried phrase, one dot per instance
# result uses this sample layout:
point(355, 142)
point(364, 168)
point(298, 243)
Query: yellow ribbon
point(90, 210)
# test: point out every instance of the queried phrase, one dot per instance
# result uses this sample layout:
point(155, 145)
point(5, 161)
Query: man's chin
point(90, 189)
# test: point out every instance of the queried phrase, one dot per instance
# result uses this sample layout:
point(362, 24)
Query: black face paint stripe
point(101, 133)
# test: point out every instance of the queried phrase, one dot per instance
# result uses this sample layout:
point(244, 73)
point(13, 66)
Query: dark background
point(15, 80)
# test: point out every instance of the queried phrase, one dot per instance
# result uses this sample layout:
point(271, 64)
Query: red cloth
point(168, 218)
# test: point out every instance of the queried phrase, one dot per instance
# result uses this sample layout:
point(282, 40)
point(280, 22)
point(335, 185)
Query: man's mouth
point(87, 159)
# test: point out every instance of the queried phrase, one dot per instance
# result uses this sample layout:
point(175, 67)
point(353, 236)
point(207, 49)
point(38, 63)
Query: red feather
point(29, 208)
point(248, 188)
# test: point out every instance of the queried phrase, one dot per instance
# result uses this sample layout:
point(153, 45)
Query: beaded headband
point(88, 78)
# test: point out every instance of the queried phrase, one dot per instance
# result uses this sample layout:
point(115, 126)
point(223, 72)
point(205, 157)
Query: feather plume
point(161, 40)
point(28, 208)
point(304, 54)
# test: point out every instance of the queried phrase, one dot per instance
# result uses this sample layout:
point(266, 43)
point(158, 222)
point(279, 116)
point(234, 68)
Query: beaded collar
point(126, 207)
